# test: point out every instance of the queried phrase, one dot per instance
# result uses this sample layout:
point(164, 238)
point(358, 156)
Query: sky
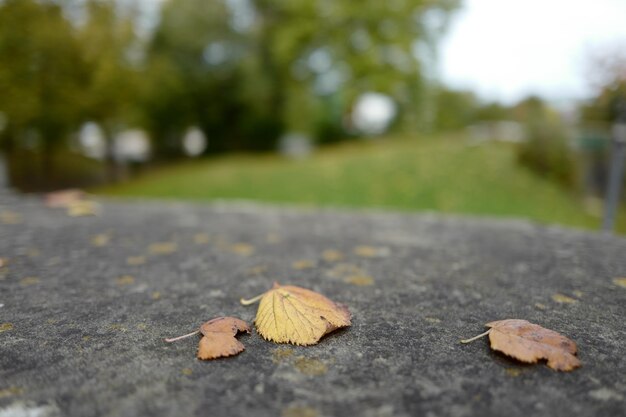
point(507, 49)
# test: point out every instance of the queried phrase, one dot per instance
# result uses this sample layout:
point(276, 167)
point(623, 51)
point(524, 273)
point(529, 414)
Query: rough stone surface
point(82, 325)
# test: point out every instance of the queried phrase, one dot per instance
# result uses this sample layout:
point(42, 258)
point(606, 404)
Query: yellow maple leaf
point(290, 314)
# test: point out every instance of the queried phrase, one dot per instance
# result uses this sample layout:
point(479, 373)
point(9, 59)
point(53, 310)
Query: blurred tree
point(454, 109)
point(547, 147)
point(112, 53)
point(311, 49)
point(245, 70)
point(608, 78)
point(493, 112)
point(196, 66)
point(42, 76)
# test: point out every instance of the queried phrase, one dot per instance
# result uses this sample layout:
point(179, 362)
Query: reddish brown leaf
point(63, 198)
point(528, 342)
point(219, 338)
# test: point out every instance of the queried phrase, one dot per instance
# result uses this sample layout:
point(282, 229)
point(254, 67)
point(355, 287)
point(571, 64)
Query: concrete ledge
point(85, 303)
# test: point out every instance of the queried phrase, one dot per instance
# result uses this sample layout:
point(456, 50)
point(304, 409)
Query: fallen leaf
point(359, 280)
point(528, 342)
point(302, 264)
point(100, 240)
point(620, 282)
point(125, 280)
point(11, 391)
point(136, 260)
point(162, 248)
point(243, 249)
point(63, 198)
point(257, 270)
point(514, 372)
point(201, 238)
point(299, 411)
point(118, 328)
point(29, 281)
point(433, 320)
point(5, 327)
point(10, 217)
point(281, 355)
point(371, 251)
point(331, 255)
point(218, 338)
point(272, 238)
point(308, 366)
point(344, 270)
point(3, 262)
point(290, 314)
point(83, 208)
point(563, 299)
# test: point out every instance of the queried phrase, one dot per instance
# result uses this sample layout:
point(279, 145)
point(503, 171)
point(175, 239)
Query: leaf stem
point(173, 339)
point(476, 337)
point(251, 300)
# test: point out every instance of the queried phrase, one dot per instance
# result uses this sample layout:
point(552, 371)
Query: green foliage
point(546, 149)
point(243, 71)
point(246, 82)
point(114, 81)
point(42, 74)
point(454, 109)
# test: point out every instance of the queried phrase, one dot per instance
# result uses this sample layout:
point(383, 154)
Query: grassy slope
point(439, 174)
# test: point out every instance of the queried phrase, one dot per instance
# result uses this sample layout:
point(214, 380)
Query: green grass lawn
point(439, 173)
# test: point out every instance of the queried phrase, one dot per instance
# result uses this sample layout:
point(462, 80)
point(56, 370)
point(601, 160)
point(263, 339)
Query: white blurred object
point(131, 145)
point(373, 113)
point(194, 141)
point(92, 140)
point(295, 145)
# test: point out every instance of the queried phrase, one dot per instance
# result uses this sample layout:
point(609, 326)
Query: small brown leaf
point(63, 198)
point(296, 315)
point(218, 338)
point(528, 342)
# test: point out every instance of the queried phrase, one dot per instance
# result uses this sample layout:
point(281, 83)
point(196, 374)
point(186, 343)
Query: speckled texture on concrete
point(86, 302)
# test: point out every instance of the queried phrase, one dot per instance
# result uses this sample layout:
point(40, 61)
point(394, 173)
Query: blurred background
point(485, 107)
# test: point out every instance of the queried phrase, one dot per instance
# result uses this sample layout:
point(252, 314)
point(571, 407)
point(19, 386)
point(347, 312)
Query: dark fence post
point(615, 177)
